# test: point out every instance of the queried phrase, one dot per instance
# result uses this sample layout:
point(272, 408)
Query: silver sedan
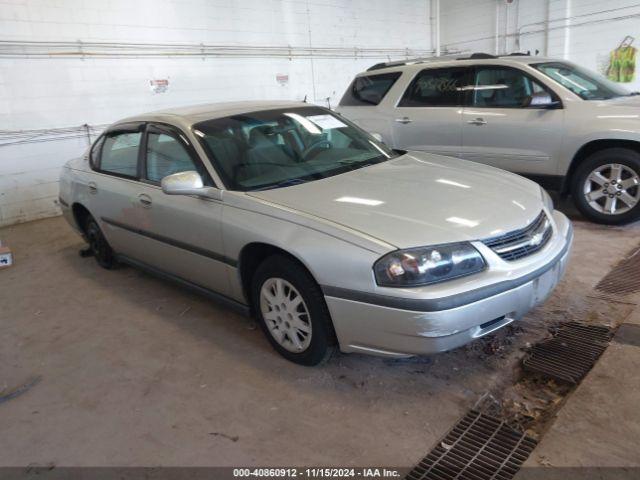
point(291, 213)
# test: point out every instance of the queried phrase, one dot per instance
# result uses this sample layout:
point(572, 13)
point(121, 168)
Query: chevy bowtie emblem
point(536, 240)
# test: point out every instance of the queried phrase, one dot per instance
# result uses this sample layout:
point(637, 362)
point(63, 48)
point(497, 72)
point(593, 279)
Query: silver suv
point(565, 127)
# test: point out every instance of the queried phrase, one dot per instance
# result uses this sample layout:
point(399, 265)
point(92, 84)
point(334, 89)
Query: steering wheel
point(316, 147)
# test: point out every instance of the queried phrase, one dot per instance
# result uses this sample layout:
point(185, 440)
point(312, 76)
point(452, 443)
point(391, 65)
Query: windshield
point(584, 83)
point(278, 148)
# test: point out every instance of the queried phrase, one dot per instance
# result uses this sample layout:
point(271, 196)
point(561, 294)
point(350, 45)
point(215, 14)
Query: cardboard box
point(6, 257)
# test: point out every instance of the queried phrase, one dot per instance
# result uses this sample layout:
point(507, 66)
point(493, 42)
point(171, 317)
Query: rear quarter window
point(369, 89)
point(94, 156)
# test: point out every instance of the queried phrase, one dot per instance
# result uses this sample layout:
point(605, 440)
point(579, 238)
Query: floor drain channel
point(624, 278)
point(570, 353)
point(477, 447)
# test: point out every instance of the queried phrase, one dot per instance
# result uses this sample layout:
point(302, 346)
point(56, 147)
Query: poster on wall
point(282, 79)
point(622, 62)
point(159, 85)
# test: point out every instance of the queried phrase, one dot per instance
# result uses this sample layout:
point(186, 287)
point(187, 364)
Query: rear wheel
point(292, 312)
point(606, 186)
point(99, 246)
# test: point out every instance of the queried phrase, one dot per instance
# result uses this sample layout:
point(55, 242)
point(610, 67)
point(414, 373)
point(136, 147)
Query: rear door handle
point(404, 120)
point(145, 200)
point(477, 121)
point(93, 188)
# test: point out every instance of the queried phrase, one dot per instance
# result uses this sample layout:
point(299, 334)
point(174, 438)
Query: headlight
point(425, 265)
point(547, 200)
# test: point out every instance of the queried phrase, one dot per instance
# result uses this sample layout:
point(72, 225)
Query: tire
point(99, 246)
point(281, 278)
point(602, 183)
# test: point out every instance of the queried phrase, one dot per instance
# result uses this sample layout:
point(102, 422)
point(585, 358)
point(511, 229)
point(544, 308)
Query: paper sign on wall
point(282, 79)
point(6, 257)
point(159, 86)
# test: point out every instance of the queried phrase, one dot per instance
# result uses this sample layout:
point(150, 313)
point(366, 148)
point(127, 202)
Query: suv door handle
point(93, 188)
point(477, 121)
point(404, 120)
point(145, 200)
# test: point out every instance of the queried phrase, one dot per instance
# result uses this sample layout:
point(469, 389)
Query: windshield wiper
point(356, 165)
point(283, 183)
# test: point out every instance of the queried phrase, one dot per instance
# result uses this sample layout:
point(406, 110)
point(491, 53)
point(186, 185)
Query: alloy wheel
point(285, 314)
point(612, 189)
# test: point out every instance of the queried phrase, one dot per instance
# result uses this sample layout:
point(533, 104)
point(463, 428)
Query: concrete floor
point(600, 423)
point(135, 371)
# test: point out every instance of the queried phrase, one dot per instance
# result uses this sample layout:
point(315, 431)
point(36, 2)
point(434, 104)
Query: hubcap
point(285, 314)
point(612, 189)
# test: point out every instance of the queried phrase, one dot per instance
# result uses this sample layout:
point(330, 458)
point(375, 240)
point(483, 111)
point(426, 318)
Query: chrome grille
point(524, 242)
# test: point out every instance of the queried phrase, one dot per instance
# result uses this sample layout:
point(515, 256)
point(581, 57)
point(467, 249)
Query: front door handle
point(145, 200)
point(93, 188)
point(477, 121)
point(403, 120)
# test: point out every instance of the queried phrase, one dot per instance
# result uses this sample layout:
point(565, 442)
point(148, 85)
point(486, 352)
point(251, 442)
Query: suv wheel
point(99, 246)
point(606, 186)
point(292, 312)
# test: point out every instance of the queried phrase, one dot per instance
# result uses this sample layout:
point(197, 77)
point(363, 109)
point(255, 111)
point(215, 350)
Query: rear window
point(369, 89)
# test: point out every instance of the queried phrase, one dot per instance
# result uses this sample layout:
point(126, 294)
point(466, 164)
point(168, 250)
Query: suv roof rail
point(409, 61)
point(399, 63)
point(518, 54)
point(477, 56)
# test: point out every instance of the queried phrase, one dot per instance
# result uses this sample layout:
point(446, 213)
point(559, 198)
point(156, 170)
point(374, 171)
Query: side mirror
point(540, 100)
point(188, 183)
point(378, 137)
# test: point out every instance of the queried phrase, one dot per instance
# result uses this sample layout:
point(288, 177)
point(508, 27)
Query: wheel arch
point(253, 254)
point(590, 148)
point(80, 215)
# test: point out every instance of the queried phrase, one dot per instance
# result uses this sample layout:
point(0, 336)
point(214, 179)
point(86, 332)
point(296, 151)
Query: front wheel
point(606, 186)
point(292, 312)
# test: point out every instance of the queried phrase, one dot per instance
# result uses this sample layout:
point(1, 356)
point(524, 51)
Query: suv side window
point(369, 89)
point(502, 87)
point(119, 154)
point(435, 87)
point(166, 154)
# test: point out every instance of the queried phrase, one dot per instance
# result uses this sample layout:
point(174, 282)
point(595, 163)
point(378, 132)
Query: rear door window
point(436, 87)
point(119, 154)
point(369, 89)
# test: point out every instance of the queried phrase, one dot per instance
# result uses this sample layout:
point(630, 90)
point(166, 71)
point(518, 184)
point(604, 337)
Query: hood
point(632, 101)
point(418, 199)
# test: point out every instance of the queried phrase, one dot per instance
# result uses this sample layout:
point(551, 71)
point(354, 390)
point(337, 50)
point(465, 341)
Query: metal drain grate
point(478, 447)
point(570, 353)
point(624, 278)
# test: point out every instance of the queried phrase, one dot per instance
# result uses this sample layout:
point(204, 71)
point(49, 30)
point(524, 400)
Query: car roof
point(456, 61)
point(188, 115)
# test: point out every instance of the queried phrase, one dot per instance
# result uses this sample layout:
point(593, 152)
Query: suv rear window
point(369, 89)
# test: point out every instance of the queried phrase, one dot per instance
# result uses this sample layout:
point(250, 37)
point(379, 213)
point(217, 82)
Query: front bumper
point(405, 329)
